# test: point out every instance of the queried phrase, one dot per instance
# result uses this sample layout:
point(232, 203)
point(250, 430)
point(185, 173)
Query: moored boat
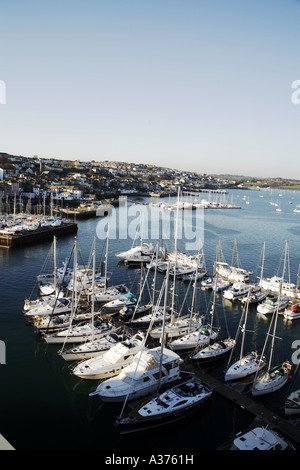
point(166, 407)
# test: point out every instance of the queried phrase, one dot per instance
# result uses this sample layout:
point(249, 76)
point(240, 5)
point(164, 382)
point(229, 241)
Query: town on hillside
point(68, 184)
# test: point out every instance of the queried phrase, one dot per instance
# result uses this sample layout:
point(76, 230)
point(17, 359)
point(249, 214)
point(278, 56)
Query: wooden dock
point(258, 410)
point(36, 236)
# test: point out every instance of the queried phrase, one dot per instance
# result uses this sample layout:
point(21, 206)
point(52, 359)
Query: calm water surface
point(44, 407)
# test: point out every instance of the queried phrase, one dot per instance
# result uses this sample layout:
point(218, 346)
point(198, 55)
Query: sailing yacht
point(216, 348)
point(275, 283)
point(96, 328)
point(232, 273)
point(97, 347)
point(150, 368)
point(52, 307)
point(276, 377)
point(246, 364)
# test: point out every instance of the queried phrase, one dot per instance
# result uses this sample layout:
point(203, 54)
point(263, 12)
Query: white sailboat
point(149, 368)
point(217, 348)
point(230, 272)
point(96, 328)
point(276, 377)
point(274, 283)
point(246, 364)
point(97, 347)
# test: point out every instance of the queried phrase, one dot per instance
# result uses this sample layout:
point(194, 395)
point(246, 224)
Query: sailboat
point(128, 312)
point(142, 376)
point(274, 283)
point(196, 337)
point(276, 377)
point(246, 364)
point(96, 328)
point(97, 347)
point(232, 273)
point(217, 348)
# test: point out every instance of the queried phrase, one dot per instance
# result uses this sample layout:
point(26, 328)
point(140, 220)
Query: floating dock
point(258, 410)
point(37, 236)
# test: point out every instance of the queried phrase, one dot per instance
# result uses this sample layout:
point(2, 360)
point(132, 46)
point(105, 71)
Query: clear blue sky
point(201, 85)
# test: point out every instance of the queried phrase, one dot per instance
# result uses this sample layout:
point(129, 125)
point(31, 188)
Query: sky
point(196, 85)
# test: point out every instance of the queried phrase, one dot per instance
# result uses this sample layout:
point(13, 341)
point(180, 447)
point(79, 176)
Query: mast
point(106, 258)
point(163, 328)
point(175, 264)
point(54, 264)
point(233, 253)
point(277, 308)
point(93, 286)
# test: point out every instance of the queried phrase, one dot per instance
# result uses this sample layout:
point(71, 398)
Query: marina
point(37, 236)
point(57, 386)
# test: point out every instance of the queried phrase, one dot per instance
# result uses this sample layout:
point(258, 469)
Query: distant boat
point(297, 209)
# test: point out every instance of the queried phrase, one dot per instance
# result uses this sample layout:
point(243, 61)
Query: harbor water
point(44, 407)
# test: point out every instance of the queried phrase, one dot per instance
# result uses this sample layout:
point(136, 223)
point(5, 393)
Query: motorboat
point(292, 312)
point(259, 438)
point(255, 296)
point(117, 304)
point(237, 290)
point(232, 273)
point(136, 310)
point(275, 283)
point(142, 376)
point(166, 407)
point(138, 253)
point(107, 294)
point(269, 305)
point(112, 361)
